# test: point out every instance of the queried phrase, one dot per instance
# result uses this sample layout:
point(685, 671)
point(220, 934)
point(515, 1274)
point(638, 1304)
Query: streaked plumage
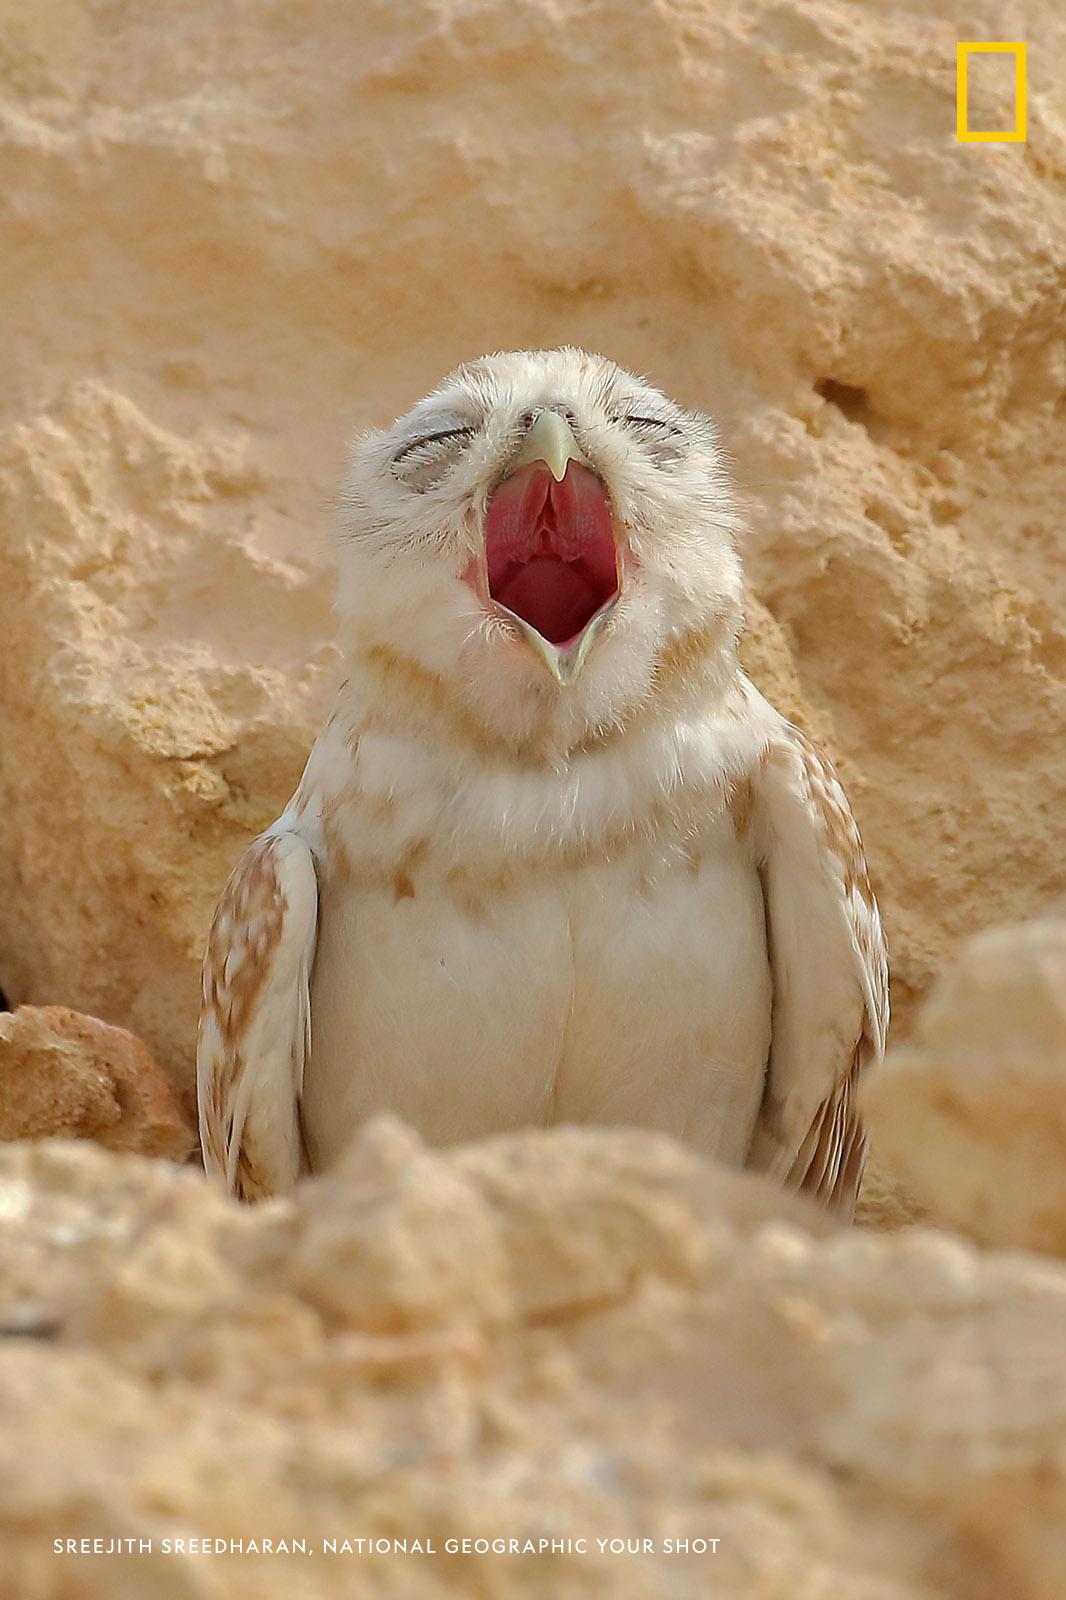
point(522, 881)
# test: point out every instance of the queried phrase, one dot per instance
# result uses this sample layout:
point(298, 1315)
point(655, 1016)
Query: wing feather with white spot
point(255, 1017)
point(830, 975)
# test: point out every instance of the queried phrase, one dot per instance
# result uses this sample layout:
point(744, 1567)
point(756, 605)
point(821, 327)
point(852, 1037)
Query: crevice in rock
point(853, 402)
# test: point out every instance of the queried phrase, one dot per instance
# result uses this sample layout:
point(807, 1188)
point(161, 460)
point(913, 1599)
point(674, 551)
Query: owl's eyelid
point(432, 438)
point(654, 422)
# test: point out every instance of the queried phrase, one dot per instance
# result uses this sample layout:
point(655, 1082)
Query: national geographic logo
point(963, 132)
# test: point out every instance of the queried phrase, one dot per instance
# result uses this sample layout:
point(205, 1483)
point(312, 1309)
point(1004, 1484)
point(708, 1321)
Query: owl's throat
point(551, 558)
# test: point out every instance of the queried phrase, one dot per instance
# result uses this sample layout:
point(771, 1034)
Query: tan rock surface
point(569, 1335)
point(970, 1116)
point(228, 240)
point(65, 1073)
point(157, 697)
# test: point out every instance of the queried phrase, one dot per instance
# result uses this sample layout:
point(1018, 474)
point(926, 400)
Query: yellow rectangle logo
point(1015, 135)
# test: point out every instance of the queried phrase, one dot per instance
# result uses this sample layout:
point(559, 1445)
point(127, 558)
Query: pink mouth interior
point(550, 549)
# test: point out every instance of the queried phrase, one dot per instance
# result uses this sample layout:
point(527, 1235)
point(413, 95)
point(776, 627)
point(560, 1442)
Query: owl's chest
point(633, 989)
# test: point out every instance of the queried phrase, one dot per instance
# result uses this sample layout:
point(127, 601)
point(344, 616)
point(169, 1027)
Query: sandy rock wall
point(230, 240)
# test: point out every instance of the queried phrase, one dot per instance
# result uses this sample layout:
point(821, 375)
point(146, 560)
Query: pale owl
point(553, 857)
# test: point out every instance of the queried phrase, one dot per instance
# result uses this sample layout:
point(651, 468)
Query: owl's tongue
point(550, 549)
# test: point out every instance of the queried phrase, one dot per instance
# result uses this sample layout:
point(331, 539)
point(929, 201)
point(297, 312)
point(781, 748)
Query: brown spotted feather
point(254, 1021)
point(816, 882)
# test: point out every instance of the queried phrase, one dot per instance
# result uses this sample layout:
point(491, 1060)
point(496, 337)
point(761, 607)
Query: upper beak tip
point(552, 441)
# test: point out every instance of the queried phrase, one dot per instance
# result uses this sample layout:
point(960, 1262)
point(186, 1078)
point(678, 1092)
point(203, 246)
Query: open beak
point(552, 564)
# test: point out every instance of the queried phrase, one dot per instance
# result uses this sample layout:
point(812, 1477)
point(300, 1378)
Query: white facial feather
point(414, 513)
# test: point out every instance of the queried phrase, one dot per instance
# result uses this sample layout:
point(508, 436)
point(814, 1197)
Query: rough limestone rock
point(970, 1117)
point(569, 1335)
point(160, 690)
point(228, 241)
point(64, 1073)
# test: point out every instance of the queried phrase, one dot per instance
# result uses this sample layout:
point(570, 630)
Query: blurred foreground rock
point(65, 1073)
point(970, 1117)
point(558, 1335)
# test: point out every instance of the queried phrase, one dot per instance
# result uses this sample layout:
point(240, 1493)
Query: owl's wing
point(255, 1017)
point(830, 974)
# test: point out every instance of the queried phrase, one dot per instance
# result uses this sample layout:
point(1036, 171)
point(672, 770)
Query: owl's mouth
point(551, 559)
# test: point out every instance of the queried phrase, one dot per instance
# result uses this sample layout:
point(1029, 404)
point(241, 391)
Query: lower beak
point(564, 662)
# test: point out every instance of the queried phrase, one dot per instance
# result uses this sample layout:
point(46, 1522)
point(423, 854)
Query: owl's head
point(546, 536)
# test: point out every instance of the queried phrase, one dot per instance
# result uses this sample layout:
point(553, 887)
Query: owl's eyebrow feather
point(431, 438)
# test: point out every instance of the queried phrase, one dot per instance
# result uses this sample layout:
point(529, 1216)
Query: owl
point(553, 857)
